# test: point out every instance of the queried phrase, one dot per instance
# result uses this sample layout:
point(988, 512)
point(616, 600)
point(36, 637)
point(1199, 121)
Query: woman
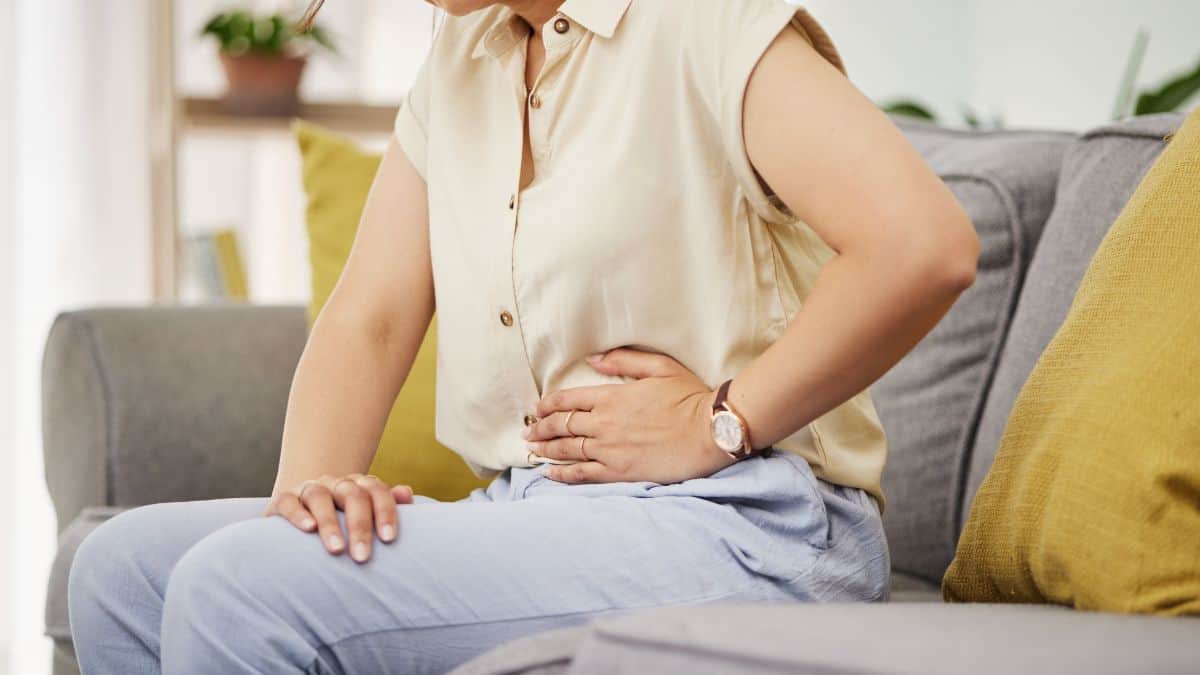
point(670, 246)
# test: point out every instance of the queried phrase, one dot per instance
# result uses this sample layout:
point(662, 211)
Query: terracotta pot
point(263, 85)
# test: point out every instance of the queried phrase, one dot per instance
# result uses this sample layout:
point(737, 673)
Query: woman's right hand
point(368, 502)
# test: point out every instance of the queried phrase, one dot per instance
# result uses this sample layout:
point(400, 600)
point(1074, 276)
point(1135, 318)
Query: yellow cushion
point(1094, 497)
point(337, 176)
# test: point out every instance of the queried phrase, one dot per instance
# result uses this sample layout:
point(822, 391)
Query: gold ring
point(567, 422)
point(304, 486)
point(582, 441)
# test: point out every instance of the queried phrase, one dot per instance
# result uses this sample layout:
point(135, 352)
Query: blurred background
point(126, 177)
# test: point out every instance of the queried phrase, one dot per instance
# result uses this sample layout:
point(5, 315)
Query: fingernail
point(360, 551)
point(335, 542)
point(387, 532)
point(533, 447)
point(594, 358)
point(525, 433)
point(308, 523)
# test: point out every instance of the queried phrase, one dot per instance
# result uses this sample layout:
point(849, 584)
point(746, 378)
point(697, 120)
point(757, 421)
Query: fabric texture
point(888, 639)
point(930, 402)
point(57, 624)
point(1099, 175)
point(144, 405)
point(643, 225)
point(158, 584)
point(1094, 498)
point(337, 176)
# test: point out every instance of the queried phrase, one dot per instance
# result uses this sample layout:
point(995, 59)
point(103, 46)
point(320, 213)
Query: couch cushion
point(876, 639)
point(897, 638)
point(58, 625)
point(1092, 499)
point(930, 402)
point(1099, 176)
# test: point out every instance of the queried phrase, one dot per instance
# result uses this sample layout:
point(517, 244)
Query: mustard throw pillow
point(1094, 497)
point(337, 176)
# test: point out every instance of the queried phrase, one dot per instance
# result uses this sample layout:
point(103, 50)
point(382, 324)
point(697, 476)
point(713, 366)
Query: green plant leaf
point(1171, 96)
point(908, 108)
point(321, 37)
point(239, 32)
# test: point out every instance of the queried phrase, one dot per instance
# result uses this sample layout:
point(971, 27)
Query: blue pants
point(213, 587)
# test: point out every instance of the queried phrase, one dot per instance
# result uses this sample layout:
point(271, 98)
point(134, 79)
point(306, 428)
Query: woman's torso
point(644, 224)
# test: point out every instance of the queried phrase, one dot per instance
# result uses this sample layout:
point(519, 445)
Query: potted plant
point(264, 58)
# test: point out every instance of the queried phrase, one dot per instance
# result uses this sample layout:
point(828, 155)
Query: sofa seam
point(999, 336)
point(109, 418)
point(936, 130)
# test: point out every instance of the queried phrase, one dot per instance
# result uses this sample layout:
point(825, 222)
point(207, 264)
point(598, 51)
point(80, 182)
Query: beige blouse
point(644, 225)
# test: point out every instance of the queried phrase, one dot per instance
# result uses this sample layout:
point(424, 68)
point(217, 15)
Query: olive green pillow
point(337, 176)
point(1094, 497)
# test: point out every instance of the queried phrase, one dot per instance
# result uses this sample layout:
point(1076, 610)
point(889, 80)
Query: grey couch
point(167, 404)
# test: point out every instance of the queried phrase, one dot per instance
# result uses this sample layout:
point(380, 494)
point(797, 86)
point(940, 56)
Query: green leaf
point(971, 118)
point(907, 108)
point(321, 37)
point(240, 31)
point(1171, 96)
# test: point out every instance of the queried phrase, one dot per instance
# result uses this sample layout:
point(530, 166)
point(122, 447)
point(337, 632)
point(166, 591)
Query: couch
point(170, 403)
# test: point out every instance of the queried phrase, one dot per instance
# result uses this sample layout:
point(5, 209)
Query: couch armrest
point(147, 405)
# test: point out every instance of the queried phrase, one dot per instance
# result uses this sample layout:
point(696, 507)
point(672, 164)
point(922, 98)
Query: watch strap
point(722, 393)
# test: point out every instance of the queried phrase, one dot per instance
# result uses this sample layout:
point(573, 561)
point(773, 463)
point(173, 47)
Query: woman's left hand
point(654, 429)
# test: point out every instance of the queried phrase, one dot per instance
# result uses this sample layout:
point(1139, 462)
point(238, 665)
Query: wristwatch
point(729, 429)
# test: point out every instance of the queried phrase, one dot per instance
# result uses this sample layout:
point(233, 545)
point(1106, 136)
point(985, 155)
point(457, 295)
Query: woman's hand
point(655, 429)
point(367, 501)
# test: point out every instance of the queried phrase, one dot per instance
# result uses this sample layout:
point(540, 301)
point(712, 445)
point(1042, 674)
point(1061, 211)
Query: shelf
point(208, 114)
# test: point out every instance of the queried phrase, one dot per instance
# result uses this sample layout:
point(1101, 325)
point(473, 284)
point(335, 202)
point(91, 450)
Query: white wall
point(8, 504)
point(898, 50)
point(1059, 64)
point(78, 236)
point(1035, 63)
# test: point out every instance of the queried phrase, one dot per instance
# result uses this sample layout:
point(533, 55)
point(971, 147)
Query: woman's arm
point(356, 359)
point(905, 247)
point(905, 251)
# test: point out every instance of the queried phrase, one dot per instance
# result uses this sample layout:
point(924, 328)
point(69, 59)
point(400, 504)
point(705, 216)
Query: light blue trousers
point(213, 587)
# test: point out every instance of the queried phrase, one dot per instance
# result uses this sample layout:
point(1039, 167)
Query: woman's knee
point(117, 560)
point(230, 597)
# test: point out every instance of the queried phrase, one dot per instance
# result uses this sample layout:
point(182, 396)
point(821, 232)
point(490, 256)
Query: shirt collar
point(598, 16)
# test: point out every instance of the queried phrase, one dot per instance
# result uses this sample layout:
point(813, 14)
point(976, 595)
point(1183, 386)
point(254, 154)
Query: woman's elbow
point(961, 252)
point(944, 258)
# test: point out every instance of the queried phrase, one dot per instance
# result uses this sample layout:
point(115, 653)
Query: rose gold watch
point(729, 429)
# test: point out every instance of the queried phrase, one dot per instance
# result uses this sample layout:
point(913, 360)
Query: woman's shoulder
point(708, 28)
point(715, 33)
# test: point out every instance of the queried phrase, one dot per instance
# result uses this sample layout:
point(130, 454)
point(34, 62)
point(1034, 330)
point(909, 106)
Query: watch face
point(727, 431)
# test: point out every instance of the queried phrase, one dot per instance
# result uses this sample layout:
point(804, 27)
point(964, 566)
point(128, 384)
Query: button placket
point(540, 101)
point(515, 372)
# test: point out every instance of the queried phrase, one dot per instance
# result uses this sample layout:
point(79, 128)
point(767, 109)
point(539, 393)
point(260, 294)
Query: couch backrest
point(1100, 174)
point(930, 402)
point(1041, 202)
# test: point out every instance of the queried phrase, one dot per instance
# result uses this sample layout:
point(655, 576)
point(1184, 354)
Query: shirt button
point(535, 101)
point(530, 419)
point(561, 26)
point(506, 318)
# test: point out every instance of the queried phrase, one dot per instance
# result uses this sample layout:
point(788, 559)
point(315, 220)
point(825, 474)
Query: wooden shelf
point(208, 114)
